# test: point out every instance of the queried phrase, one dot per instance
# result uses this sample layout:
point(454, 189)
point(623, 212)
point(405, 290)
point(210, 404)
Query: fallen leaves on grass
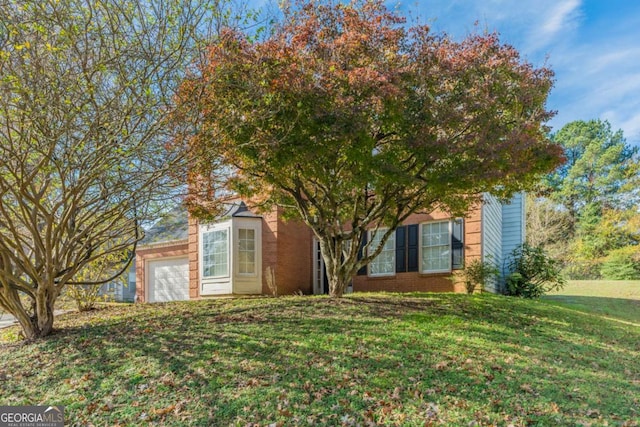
point(364, 361)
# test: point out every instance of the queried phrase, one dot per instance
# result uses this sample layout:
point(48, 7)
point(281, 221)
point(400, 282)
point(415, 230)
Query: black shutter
point(457, 244)
point(401, 249)
point(363, 269)
point(412, 247)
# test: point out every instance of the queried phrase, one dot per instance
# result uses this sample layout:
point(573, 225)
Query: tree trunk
point(45, 302)
point(23, 318)
point(340, 260)
point(339, 272)
point(337, 284)
point(33, 328)
point(40, 324)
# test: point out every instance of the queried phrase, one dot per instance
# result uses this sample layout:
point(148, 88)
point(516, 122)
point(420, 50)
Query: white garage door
point(168, 279)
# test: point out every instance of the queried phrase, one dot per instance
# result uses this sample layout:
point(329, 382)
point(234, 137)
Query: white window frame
point(210, 229)
point(255, 251)
point(392, 239)
point(423, 268)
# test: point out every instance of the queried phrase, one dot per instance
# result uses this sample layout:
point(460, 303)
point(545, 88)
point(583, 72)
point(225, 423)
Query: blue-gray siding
point(503, 229)
point(513, 228)
point(492, 234)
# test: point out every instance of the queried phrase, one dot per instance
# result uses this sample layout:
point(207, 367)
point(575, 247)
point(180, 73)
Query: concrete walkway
point(7, 320)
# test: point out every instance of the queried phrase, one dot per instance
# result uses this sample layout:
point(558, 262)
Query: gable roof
point(173, 226)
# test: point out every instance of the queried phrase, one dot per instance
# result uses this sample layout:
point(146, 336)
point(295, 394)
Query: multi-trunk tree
point(85, 89)
point(352, 121)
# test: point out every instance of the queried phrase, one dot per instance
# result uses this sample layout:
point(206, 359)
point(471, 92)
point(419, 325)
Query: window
point(436, 247)
point(246, 251)
point(215, 253)
point(385, 263)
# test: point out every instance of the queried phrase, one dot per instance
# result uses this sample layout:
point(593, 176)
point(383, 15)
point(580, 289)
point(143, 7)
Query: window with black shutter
point(412, 247)
point(457, 244)
point(363, 269)
point(401, 249)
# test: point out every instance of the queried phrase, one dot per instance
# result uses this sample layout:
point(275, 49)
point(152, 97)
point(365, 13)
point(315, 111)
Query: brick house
point(241, 252)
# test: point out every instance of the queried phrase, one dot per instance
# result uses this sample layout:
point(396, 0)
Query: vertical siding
point(492, 234)
point(513, 228)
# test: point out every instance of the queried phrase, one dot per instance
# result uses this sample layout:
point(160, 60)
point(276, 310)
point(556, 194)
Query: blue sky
point(592, 45)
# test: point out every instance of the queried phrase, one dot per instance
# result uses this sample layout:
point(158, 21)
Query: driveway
point(7, 320)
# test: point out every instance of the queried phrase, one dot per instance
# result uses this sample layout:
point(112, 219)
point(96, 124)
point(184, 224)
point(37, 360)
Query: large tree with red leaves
point(350, 121)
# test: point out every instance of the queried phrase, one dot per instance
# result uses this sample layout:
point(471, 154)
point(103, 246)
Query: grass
point(368, 359)
point(616, 299)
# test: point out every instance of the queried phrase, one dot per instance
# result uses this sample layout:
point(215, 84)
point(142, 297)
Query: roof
point(237, 209)
point(174, 226)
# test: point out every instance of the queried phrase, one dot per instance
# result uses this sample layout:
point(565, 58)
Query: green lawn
point(415, 360)
point(617, 299)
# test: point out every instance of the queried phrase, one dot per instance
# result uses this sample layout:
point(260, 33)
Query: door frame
point(320, 282)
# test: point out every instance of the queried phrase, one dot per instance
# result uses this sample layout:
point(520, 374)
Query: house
point(123, 290)
point(242, 252)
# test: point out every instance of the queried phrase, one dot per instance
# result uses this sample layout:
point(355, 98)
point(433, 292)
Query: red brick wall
point(414, 281)
point(269, 249)
point(287, 250)
point(295, 258)
point(145, 254)
point(194, 267)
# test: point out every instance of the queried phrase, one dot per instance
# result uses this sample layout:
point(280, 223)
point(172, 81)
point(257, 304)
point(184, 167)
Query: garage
point(168, 279)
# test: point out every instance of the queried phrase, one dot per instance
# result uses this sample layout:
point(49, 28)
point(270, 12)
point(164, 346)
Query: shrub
point(533, 273)
point(86, 297)
point(583, 270)
point(622, 264)
point(479, 272)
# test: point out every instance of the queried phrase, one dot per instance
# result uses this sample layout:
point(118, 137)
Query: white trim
point(246, 283)
point(392, 237)
point(147, 261)
point(318, 268)
point(234, 282)
point(214, 285)
point(421, 268)
point(236, 249)
point(225, 226)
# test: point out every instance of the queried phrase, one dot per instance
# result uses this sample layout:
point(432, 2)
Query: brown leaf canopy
point(342, 104)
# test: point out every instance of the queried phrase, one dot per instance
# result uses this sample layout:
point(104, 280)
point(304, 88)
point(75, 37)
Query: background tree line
point(586, 213)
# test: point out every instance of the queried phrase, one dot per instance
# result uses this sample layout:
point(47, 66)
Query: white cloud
point(631, 128)
point(553, 25)
point(599, 79)
point(560, 17)
point(620, 58)
point(627, 120)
